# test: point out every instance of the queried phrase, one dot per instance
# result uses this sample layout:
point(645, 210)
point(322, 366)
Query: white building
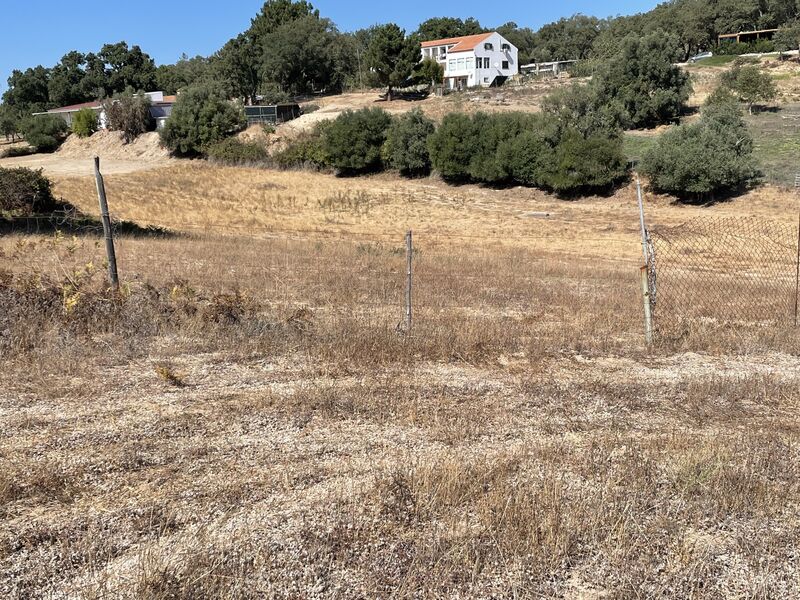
point(160, 109)
point(474, 60)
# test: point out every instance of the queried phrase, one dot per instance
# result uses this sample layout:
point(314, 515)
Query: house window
point(505, 64)
point(451, 66)
point(506, 47)
point(470, 64)
point(460, 64)
point(488, 47)
point(435, 52)
point(486, 64)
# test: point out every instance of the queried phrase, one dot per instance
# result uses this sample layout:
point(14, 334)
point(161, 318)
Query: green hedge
point(233, 151)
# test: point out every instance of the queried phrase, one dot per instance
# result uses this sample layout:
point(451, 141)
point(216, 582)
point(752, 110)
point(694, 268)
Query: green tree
point(44, 132)
point(580, 107)
point(202, 116)
point(391, 56)
point(406, 147)
point(439, 28)
point(10, 122)
point(28, 89)
point(644, 81)
point(300, 56)
point(566, 39)
point(84, 123)
point(354, 140)
point(452, 146)
point(277, 13)
point(703, 160)
point(524, 38)
point(185, 72)
point(130, 114)
point(127, 68)
point(237, 66)
point(429, 71)
point(66, 78)
point(750, 84)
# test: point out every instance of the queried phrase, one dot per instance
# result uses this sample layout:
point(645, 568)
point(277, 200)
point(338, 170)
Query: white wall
point(502, 63)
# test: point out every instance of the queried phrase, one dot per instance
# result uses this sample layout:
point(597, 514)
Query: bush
point(45, 132)
point(642, 80)
point(201, 117)
point(703, 160)
point(84, 123)
point(452, 146)
point(129, 114)
point(25, 191)
point(353, 142)
point(584, 164)
point(529, 156)
point(750, 84)
point(487, 163)
point(306, 151)
point(233, 151)
point(406, 147)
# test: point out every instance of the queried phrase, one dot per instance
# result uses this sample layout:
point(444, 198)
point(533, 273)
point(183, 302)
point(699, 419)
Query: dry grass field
point(245, 420)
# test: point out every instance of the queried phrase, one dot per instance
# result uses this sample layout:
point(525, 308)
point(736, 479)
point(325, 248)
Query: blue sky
point(42, 32)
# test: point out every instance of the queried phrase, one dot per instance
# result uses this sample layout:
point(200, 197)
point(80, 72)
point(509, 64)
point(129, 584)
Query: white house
point(484, 59)
point(160, 109)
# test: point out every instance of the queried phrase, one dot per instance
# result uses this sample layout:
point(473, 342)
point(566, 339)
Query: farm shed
point(273, 114)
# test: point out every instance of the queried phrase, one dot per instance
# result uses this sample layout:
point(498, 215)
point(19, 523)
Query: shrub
point(406, 147)
point(129, 114)
point(452, 145)
point(528, 156)
point(750, 84)
point(201, 117)
point(233, 151)
point(705, 159)
point(643, 80)
point(25, 191)
point(306, 151)
point(45, 132)
point(584, 164)
point(84, 123)
point(486, 163)
point(354, 140)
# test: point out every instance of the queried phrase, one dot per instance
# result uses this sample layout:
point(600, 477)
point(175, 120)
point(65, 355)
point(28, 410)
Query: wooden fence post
point(409, 254)
point(108, 233)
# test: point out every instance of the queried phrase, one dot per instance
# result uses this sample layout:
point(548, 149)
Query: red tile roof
point(462, 44)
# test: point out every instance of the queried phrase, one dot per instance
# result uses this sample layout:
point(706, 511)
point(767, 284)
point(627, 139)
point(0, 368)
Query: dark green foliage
point(524, 38)
point(429, 72)
point(703, 160)
point(584, 164)
point(233, 151)
point(354, 140)
point(567, 39)
point(439, 28)
point(750, 84)
point(452, 146)
point(44, 132)
point(581, 107)
point(25, 192)
point(238, 68)
point(130, 114)
point(643, 82)
point(391, 56)
point(10, 122)
point(306, 151)
point(487, 164)
point(171, 79)
point(788, 38)
point(535, 150)
point(406, 147)
point(84, 123)
point(300, 56)
point(202, 116)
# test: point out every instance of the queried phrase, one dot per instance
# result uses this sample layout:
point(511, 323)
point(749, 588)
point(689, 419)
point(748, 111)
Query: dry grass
point(244, 420)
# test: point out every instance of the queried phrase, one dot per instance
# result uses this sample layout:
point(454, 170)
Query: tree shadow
point(66, 218)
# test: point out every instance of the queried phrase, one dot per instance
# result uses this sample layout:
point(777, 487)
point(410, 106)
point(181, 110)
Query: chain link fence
point(732, 271)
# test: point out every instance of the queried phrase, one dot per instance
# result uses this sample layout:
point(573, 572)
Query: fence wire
point(724, 271)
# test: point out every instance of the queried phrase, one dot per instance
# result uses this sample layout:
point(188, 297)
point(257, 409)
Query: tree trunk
point(389, 94)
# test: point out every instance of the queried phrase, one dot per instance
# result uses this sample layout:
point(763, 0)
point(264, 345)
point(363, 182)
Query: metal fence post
point(113, 276)
point(645, 270)
point(409, 254)
point(797, 275)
